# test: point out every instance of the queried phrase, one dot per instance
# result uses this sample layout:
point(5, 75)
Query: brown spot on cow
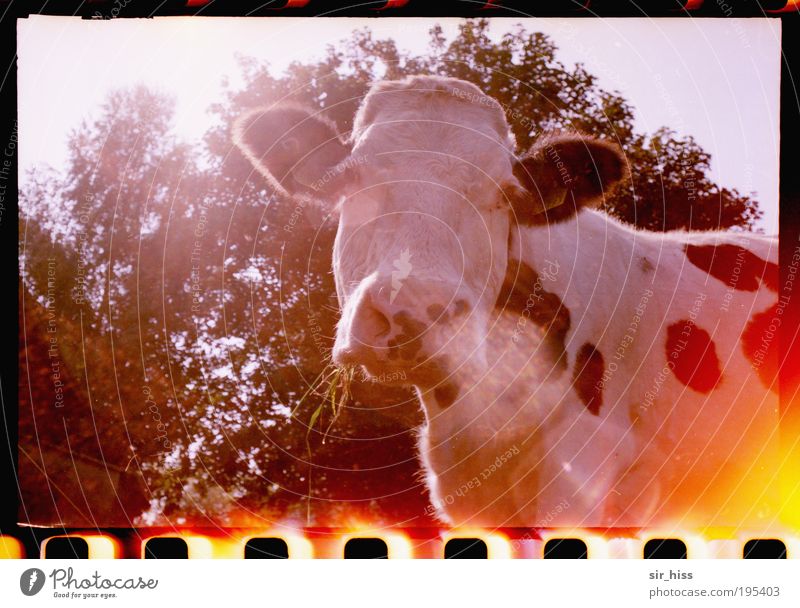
point(735, 266)
point(437, 313)
point(393, 351)
point(760, 346)
point(588, 377)
point(693, 355)
point(461, 308)
point(523, 293)
point(646, 265)
point(409, 340)
point(446, 394)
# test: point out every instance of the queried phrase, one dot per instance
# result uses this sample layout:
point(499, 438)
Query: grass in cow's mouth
point(332, 387)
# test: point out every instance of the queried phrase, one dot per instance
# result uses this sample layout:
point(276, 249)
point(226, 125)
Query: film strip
point(415, 544)
point(49, 467)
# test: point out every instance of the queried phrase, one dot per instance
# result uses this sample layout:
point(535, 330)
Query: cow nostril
point(378, 322)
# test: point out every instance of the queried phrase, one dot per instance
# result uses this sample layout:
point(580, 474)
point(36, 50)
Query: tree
point(195, 308)
point(88, 242)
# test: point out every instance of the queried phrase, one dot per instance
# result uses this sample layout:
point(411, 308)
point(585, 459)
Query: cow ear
point(563, 174)
point(298, 151)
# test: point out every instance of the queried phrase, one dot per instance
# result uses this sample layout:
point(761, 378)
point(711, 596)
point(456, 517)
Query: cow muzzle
point(388, 326)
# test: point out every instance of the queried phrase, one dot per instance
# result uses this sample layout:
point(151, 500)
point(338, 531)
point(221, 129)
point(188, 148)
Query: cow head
point(428, 190)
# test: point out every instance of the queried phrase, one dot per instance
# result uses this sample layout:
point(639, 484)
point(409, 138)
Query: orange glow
point(696, 546)
point(790, 466)
point(710, 543)
point(398, 545)
point(790, 6)
point(623, 548)
point(10, 548)
point(791, 502)
point(101, 546)
point(299, 546)
point(596, 546)
point(724, 549)
point(497, 543)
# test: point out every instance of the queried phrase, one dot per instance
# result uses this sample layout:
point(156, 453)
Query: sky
point(714, 79)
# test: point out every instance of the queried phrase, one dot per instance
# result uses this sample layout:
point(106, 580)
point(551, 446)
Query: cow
point(572, 370)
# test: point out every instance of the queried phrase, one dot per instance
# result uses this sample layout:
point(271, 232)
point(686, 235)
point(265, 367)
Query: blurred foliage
point(183, 293)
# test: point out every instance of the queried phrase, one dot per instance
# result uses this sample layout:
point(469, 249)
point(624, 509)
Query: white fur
point(690, 459)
